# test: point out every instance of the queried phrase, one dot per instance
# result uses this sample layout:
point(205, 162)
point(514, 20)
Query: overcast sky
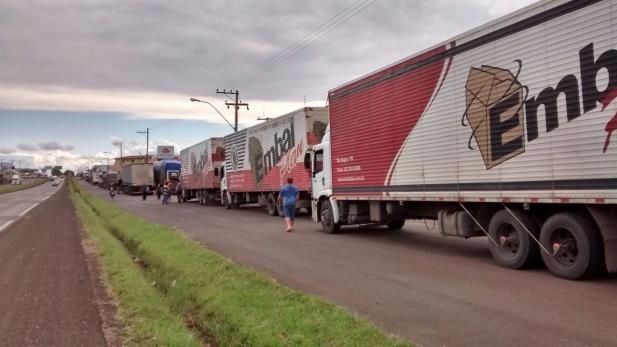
point(77, 77)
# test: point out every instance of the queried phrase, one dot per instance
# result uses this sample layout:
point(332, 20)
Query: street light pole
point(147, 132)
point(234, 127)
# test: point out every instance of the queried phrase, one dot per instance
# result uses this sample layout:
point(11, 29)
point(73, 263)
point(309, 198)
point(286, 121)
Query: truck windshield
point(318, 164)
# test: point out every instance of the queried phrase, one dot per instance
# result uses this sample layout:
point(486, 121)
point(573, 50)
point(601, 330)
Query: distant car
point(15, 179)
point(55, 183)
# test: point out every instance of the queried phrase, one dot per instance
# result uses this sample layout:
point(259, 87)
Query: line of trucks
point(502, 132)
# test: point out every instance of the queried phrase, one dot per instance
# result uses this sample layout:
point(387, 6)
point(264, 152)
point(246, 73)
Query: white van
point(15, 179)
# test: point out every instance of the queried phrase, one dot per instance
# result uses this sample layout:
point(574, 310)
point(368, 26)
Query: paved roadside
point(434, 290)
point(16, 204)
point(47, 292)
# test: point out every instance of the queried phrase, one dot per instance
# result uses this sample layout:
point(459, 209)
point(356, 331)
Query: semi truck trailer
point(259, 159)
point(503, 132)
point(202, 169)
point(135, 175)
point(167, 170)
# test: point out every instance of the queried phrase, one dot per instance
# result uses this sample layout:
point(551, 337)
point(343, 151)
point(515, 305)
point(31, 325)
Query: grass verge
point(9, 188)
point(229, 302)
point(143, 309)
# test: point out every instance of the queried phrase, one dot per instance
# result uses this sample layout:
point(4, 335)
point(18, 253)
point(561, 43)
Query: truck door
point(318, 178)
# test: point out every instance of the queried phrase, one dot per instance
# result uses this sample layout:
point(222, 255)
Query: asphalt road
point(47, 293)
point(16, 204)
point(433, 290)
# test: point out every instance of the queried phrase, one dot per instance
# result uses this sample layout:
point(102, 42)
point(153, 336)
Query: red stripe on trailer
point(564, 200)
point(599, 200)
point(481, 199)
point(534, 199)
point(507, 199)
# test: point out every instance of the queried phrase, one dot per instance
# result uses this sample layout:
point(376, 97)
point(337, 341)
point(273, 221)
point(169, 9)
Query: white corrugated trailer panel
point(443, 159)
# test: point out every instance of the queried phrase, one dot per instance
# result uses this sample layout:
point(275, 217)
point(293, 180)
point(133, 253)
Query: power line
point(331, 24)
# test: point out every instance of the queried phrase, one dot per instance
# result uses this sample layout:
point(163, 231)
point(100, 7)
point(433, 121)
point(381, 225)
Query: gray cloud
point(26, 147)
point(53, 145)
point(194, 47)
point(6, 150)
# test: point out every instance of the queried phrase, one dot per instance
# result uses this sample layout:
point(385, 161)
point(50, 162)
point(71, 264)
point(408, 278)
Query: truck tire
point(515, 249)
point(226, 201)
point(575, 244)
point(396, 224)
point(279, 208)
point(327, 219)
point(271, 207)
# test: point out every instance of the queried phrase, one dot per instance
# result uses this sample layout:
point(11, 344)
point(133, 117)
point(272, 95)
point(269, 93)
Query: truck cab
point(317, 162)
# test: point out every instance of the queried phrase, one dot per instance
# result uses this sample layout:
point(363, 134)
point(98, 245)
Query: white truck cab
point(323, 206)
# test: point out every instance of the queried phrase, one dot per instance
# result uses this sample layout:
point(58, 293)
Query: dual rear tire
point(574, 245)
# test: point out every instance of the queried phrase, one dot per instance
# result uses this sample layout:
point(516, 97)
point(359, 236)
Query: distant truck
point(504, 131)
point(202, 169)
point(135, 175)
point(109, 179)
point(259, 159)
point(167, 170)
point(96, 178)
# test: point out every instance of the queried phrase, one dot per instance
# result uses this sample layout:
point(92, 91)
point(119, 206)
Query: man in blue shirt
point(289, 195)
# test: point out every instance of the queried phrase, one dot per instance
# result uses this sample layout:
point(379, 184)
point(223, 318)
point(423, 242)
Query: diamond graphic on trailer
point(234, 157)
point(495, 100)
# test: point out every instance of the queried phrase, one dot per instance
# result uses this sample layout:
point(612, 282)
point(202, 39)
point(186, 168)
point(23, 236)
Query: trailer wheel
point(515, 249)
point(226, 201)
point(396, 224)
point(327, 219)
point(279, 209)
point(575, 243)
point(271, 207)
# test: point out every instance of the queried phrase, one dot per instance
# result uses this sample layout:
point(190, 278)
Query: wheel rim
point(325, 216)
point(565, 247)
point(509, 240)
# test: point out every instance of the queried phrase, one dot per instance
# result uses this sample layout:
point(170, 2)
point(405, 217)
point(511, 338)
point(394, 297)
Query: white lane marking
point(26, 211)
point(5, 225)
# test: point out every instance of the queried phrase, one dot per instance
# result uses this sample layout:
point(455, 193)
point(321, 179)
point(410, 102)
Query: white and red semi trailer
point(503, 131)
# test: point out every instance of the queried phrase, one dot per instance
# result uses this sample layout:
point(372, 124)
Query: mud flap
point(606, 218)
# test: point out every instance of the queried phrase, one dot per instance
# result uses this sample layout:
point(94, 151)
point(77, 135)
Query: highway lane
point(15, 205)
point(434, 290)
point(50, 290)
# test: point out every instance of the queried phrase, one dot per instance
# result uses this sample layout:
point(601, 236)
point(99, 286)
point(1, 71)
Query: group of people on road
point(288, 196)
point(164, 190)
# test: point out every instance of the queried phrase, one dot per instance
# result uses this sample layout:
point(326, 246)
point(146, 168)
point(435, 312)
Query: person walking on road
point(159, 192)
point(289, 196)
point(144, 191)
point(165, 192)
point(179, 192)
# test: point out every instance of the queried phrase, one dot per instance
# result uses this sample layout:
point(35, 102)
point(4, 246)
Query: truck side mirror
point(307, 162)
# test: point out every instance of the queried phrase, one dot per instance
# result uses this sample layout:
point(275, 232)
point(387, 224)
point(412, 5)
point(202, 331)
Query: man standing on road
point(179, 192)
point(144, 191)
point(288, 196)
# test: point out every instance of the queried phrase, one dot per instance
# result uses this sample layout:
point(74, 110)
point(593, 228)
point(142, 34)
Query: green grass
point(145, 312)
point(230, 302)
point(29, 183)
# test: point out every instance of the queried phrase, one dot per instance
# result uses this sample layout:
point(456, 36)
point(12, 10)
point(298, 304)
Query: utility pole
point(147, 132)
point(236, 104)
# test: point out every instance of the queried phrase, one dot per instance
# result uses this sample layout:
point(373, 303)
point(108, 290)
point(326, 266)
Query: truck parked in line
point(96, 178)
point(167, 170)
point(259, 159)
point(202, 169)
point(109, 179)
point(135, 175)
point(504, 131)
